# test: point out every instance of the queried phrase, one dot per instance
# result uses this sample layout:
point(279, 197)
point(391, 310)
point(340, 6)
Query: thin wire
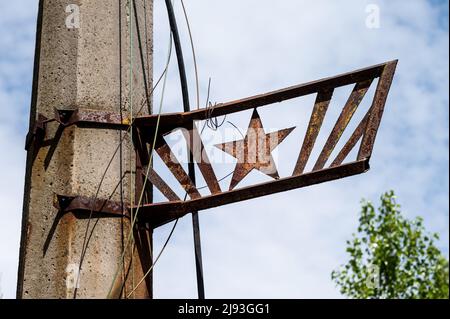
point(147, 51)
point(156, 260)
point(215, 129)
point(132, 176)
point(143, 188)
point(210, 121)
point(168, 240)
point(121, 190)
point(240, 132)
point(191, 167)
point(134, 217)
point(214, 125)
point(91, 213)
point(193, 53)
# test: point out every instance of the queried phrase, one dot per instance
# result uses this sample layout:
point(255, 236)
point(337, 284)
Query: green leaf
point(410, 265)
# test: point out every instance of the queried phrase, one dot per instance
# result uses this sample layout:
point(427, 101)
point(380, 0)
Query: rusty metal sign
point(258, 146)
point(253, 151)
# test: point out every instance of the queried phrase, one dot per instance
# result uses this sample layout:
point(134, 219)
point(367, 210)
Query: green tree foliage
point(392, 257)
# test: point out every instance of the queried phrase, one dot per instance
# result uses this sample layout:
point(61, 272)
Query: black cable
point(191, 168)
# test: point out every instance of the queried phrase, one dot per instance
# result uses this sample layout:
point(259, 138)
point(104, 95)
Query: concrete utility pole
point(83, 65)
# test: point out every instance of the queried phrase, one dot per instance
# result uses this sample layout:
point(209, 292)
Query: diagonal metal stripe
point(161, 185)
point(176, 168)
point(315, 123)
point(346, 115)
point(197, 149)
point(381, 94)
point(354, 139)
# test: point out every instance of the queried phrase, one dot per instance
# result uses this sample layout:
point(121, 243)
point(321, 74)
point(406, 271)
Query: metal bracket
point(91, 118)
point(66, 118)
point(37, 132)
point(67, 204)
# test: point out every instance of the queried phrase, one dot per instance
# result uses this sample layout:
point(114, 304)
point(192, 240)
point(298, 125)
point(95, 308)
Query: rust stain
point(348, 111)
point(320, 109)
point(254, 152)
point(199, 154)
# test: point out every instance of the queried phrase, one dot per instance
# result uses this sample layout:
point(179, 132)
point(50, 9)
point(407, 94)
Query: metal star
point(254, 151)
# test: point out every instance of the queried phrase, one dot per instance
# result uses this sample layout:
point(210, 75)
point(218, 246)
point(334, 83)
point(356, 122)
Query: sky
point(284, 245)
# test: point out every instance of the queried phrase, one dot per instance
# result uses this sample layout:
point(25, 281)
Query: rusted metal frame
point(159, 214)
point(167, 156)
point(377, 109)
point(344, 119)
point(142, 158)
point(67, 204)
point(198, 153)
point(142, 162)
point(142, 231)
point(320, 109)
point(174, 120)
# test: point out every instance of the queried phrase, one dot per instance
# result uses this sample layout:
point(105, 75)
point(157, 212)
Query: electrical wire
point(134, 218)
point(130, 92)
point(156, 260)
point(119, 145)
point(191, 167)
point(194, 56)
point(143, 188)
point(185, 94)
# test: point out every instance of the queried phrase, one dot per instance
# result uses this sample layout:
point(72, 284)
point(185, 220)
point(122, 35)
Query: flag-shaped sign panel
point(254, 150)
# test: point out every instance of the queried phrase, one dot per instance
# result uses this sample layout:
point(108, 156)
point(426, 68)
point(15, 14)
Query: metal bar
point(315, 123)
point(184, 90)
point(348, 147)
point(161, 185)
point(181, 119)
point(142, 159)
point(81, 203)
point(197, 150)
point(91, 117)
point(381, 94)
point(74, 117)
point(159, 214)
point(346, 115)
point(175, 167)
point(37, 132)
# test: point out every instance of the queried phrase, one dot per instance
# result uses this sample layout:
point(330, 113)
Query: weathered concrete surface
point(86, 68)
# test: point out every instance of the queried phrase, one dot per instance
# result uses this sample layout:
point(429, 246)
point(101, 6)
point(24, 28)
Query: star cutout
point(254, 151)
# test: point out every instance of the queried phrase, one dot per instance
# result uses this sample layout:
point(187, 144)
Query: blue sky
point(285, 245)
